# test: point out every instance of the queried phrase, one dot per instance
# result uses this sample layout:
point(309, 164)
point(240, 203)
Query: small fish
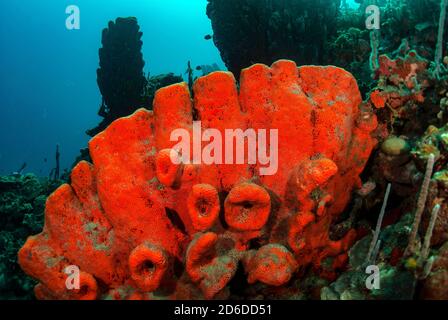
point(208, 37)
point(198, 68)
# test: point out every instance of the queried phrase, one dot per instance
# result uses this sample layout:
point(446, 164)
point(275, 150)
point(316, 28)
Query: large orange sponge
point(140, 227)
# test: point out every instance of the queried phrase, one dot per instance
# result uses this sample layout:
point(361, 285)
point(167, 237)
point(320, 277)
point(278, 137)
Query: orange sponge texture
point(140, 227)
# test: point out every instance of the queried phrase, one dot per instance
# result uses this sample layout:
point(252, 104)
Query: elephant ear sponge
point(140, 227)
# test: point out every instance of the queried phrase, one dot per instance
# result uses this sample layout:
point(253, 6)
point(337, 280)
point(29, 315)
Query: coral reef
point(409, 94)
point(414, 21)
point(412, 254)
point(141, 227)
point(407, 89)
point(409, 99)
point(22, 203)
point(396, 281)
point(359, 183)
point(434, 142)
point(404, 24)
point(324, 33)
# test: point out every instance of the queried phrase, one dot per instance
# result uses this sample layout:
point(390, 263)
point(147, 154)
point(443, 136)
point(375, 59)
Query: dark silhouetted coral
point(120, 77)
point(247, 31)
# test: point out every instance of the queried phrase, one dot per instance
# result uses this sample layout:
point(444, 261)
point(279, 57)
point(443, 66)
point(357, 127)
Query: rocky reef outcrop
point(410, 99)
point(404, 25)
point(22, 204)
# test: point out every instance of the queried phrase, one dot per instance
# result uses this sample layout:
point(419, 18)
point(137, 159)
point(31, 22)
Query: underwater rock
point(132, 216)
point(394, 164)
point(435, 286)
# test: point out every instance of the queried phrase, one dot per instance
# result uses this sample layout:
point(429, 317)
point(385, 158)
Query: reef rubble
point(22, 204)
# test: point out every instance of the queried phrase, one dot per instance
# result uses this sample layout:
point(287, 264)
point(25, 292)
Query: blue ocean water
point(48, 90)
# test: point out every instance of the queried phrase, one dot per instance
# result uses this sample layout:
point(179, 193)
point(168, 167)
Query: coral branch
point(439, 47)
point(420, 205)
point(427, 242)
point(376, 234)
point(375, 252)
point(374, 45)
